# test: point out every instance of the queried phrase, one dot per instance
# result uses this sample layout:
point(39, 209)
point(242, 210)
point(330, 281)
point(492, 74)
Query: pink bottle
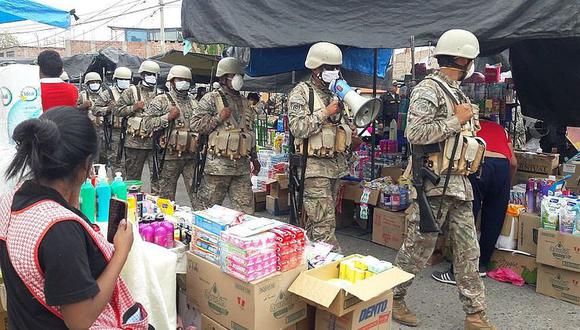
point(147, 233)
point(160, 237)
point(170, 229)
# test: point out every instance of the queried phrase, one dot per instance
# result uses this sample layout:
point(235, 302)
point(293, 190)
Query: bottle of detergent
point(103, 195)
point(119, 188)
point(88, 201)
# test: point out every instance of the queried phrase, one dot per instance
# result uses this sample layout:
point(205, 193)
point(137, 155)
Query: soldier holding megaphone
point(322, 138)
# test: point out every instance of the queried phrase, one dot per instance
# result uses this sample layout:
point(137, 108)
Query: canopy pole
point(162, 25)
point(373, 135)
point(413, 58)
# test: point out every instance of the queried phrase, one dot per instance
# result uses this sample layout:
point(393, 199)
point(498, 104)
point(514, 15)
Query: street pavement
point(437, 305)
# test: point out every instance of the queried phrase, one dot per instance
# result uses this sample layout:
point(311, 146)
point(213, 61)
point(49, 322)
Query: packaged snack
point(567, 216)
point(550, 213)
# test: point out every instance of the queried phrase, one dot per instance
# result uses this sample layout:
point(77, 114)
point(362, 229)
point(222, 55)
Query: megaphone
point(365, 110)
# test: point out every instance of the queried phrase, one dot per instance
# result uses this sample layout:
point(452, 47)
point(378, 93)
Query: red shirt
point(495, 137)
point(55, 92)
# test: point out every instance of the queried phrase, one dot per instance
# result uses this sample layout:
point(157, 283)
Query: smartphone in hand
point(117, 212)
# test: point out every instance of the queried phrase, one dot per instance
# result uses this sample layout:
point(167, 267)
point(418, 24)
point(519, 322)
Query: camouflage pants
point(172, 170)
point(320, 205)
point(214, 189)
point(116, 166)
point(135, 161)
point(418, 247)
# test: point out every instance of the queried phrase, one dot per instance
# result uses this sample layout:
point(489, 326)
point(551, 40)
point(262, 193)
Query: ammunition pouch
point(233, 144)
point(179, 141)
point(135, 128)
point(468, 158)
point(332, 139)
point(117, 122)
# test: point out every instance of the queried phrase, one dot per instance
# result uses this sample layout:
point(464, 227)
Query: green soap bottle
point(119, 187)
point(88, 200)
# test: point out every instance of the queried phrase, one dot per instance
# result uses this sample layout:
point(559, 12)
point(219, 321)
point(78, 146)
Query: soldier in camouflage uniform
point(226, 117)
point(431, 120)
point(171, 114)
point(131, 105)
point(325, 164)
point(121, 82)
point(96, 100)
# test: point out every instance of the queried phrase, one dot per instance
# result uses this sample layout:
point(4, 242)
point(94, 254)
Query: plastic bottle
point(170, 234)
point(88, 200)
point(147, 233)
point(530, 196)
point(103, 195)
point(160, 236)
point(119, 188)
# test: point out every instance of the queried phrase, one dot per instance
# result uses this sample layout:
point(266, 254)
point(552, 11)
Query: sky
point(32, 34)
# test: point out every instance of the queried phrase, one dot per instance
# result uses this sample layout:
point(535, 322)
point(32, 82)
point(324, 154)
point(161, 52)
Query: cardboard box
point(260, 196)
point(528, 230)
point(393, 172)
point(521, 263)
point(352, 191)
point(208, 324)
point(559, 250)
point(389, 228)
point(262, 304)
point(508, 222)
point(533, 162)
point(374, 315)
point(276, 191)
point(572, 168)
point(277, 205)
point(345, 218)
point(559, 283)
point(283, 180)
point(259, 206)
point(313, 287)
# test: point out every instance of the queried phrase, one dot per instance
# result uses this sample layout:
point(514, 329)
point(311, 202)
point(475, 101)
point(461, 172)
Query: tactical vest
point(135, 126)
point(180, 139)
point(97, 120)
point(115, 96)
point(470, 149)
point(232, 139)
point(332, 138)
point(23, 232)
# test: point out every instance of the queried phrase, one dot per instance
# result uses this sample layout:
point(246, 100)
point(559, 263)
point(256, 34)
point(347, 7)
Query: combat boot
point(403, 315)
point(478, 321)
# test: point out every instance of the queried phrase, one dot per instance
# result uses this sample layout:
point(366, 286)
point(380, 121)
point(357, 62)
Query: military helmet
point(179, 71)
point(149, 66)
point(229, 65)
point(122, 73)
point(92, 76)
point(64, 76)
point(323, 53)
point(457, 43)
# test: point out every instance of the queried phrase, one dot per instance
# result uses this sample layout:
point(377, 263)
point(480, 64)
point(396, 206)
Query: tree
point(8, 40)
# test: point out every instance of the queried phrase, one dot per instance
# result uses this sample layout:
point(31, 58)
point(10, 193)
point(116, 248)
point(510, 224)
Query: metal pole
point(162, 27)
point(413, 58)
point(373, 135)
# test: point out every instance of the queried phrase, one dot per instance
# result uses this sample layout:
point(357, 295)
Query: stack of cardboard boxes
point(277, 201)
point(535, 165)
point(559, 265)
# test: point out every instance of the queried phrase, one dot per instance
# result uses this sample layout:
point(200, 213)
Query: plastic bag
point(506, 275)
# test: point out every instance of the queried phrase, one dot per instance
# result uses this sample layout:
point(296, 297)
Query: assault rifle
point(422, 170)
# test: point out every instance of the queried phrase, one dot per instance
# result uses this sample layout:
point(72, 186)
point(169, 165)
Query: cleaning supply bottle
point(160, 235)
point(119, 188)
point(88, 200)
point(103, 195)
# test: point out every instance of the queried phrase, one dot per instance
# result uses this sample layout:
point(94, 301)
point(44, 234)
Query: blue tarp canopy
point(270, 61)
point(23, 10)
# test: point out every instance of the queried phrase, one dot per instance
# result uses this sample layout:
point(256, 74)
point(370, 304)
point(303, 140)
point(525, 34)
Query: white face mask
point(182, 86)
point(329, 75)
point(94, 87)
point(123, 84)
point(237, 82)
point(151, 80)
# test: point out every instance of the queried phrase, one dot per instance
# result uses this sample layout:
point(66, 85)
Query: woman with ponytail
point(58, 271)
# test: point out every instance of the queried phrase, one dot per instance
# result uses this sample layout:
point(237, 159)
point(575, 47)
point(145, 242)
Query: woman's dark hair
point(50, 63)
point(54, 145)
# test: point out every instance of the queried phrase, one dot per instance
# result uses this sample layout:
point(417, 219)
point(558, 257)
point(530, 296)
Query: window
point(136, 35)
point(10, 54)
point(1, 54)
